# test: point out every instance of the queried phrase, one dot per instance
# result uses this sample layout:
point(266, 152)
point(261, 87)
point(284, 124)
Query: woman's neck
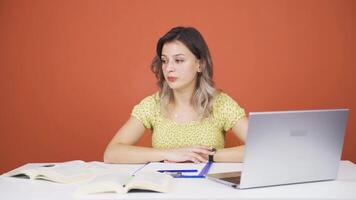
point(182, 109)
point(182, 98)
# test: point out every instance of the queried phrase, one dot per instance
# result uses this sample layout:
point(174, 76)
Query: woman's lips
point(171, 78)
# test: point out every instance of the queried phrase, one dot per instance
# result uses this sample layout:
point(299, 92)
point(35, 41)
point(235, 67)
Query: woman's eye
point(179, 61)
point(164, 61)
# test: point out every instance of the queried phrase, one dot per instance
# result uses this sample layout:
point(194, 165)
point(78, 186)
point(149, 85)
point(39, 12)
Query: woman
point(188, 117)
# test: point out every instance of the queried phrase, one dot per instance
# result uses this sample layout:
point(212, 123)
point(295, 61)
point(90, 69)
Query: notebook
point(289, 147)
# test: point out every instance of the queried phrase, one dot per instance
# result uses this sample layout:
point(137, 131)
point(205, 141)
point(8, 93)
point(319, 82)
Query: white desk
point(342, 188)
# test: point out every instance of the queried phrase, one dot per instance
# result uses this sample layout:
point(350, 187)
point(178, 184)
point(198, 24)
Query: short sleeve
point(227, 111)
point(145, 111)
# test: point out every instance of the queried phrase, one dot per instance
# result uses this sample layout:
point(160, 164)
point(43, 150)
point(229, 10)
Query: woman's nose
point(170, 66)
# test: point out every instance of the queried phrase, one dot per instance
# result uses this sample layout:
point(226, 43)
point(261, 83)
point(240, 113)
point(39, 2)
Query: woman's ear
point(200, 66)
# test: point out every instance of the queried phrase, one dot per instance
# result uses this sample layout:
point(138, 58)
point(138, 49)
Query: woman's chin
point(173, 86)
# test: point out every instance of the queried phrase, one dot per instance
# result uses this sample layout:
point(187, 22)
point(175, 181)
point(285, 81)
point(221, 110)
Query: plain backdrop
point(71, 71)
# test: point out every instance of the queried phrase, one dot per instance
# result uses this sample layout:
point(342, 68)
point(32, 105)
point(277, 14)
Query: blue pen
point(206, 168)
point(189, 176)
point(202, 173)
point(178, 170)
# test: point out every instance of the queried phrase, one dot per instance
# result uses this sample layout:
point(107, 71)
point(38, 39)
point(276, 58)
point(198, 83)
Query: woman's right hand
point(195, 154)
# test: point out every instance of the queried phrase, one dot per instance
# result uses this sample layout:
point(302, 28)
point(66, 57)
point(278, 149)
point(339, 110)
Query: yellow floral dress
point(167, 133)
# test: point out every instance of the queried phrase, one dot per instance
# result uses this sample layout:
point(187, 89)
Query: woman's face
point(179, 66)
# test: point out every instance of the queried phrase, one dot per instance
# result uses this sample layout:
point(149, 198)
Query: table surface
point(344, 187)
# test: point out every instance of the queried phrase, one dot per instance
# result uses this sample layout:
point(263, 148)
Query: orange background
point(71, 71)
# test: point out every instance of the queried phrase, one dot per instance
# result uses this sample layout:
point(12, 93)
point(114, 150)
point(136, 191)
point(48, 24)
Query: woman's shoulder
point(150, 100)
point(227, 111)
point(221, 99)
point(224, 102)
point(146, 110)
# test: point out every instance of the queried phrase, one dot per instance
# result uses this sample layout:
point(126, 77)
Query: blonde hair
point(204, 92)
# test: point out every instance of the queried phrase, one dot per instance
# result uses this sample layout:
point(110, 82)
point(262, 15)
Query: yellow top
point(167, 133)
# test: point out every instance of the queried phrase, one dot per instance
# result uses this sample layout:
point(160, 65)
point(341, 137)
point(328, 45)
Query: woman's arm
point(234, 154)
point(121, 148)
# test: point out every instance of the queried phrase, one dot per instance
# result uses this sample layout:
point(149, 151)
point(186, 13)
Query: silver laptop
point(289, 147)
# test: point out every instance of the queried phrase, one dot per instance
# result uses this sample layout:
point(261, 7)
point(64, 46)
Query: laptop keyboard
point(235, 180)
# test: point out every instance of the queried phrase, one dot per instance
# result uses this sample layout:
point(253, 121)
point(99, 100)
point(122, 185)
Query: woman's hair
point(204, 91)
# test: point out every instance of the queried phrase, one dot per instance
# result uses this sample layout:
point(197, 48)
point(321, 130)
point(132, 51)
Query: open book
point(66, 172)
point(123, 183)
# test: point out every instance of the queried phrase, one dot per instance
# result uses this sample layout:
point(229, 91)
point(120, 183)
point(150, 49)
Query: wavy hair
point(204, 91)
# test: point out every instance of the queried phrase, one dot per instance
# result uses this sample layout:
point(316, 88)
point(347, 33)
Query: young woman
point(188, 117)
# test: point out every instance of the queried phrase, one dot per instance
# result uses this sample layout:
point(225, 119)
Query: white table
point(342, 188)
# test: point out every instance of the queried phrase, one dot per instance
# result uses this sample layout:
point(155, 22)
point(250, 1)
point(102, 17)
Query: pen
point(177, 170)
point(206, 168)
point(178, 173)
point(189, 176)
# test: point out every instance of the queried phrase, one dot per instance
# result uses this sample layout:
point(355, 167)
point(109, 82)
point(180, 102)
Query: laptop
point(289, 147)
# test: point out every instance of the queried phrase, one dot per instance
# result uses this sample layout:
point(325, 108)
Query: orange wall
point(71, 71)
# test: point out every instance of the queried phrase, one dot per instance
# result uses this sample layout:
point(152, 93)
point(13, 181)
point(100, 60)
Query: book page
point(105, 183)
point(68, 168)
point(123, 183)
point(150, 180)
point(25, 171)
point(68, 172)
point(65, 172)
